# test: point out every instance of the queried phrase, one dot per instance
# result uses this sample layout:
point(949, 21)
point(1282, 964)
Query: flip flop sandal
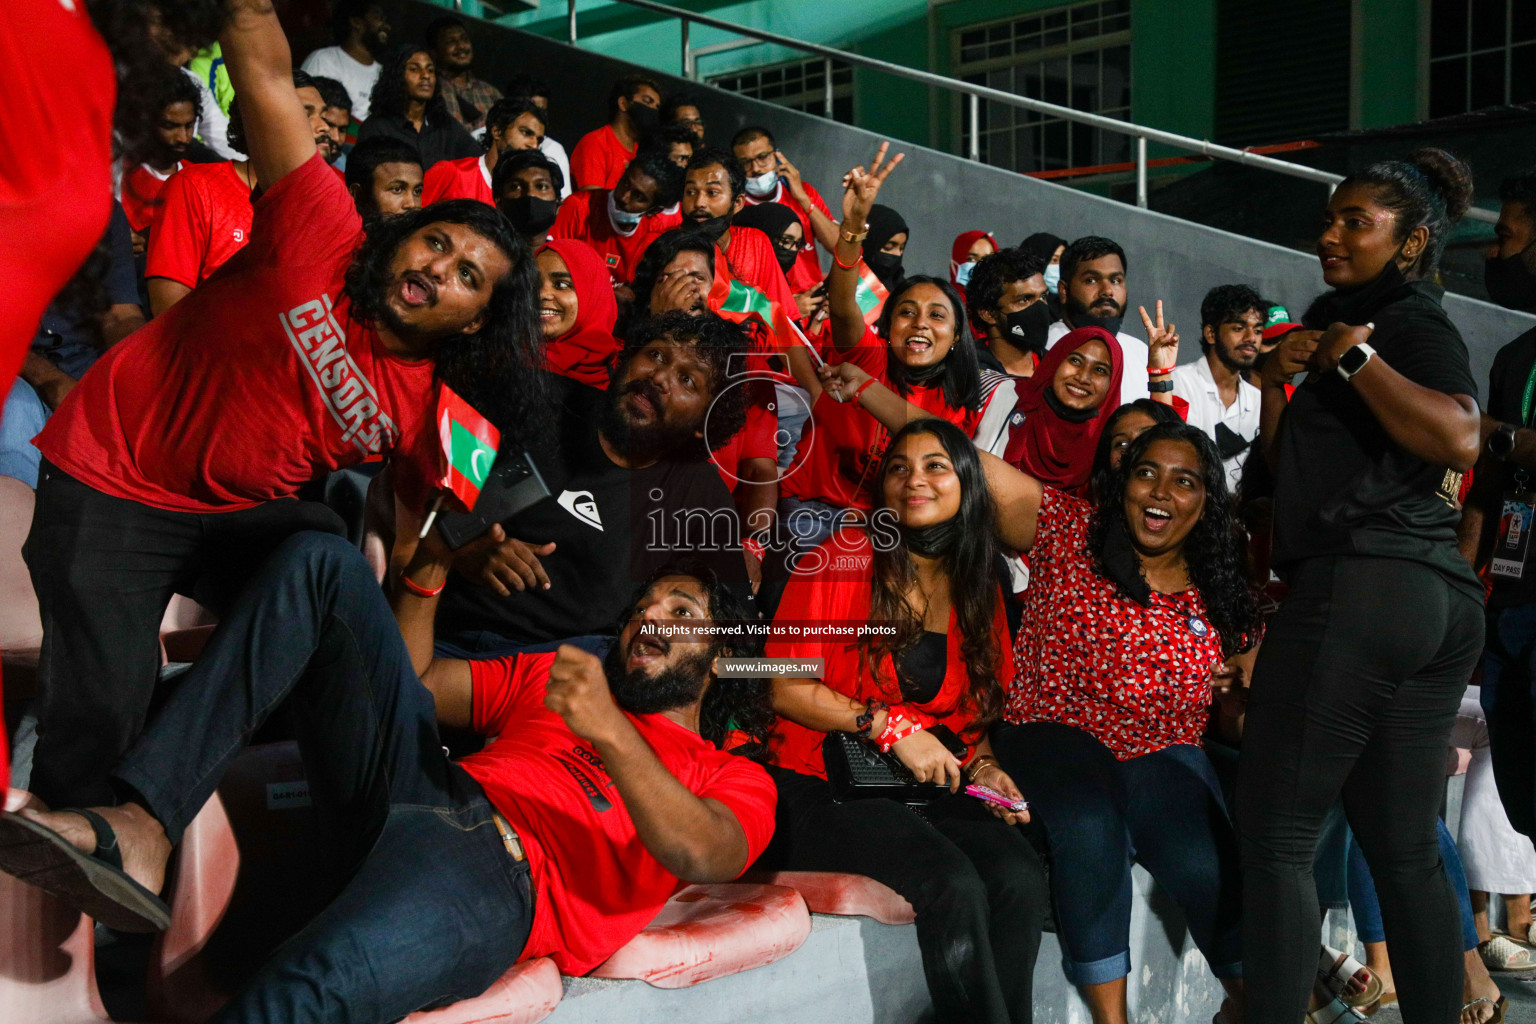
point(1505, 955)
point(94, 883)
point(1499, 1008)
point(1336, 1012)
point(1337, 969)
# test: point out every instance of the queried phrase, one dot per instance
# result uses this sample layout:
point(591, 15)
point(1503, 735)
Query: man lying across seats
point(527, 848)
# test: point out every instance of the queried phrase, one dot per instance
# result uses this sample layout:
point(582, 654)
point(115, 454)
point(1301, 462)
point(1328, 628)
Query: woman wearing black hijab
point(781, 225)
point(1049, 248)
point(885, 244)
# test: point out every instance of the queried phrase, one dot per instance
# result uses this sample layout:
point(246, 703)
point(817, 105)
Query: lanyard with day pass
point(1518, 508)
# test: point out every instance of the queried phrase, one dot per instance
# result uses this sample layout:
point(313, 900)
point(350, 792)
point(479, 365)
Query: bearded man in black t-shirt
point(631, 486)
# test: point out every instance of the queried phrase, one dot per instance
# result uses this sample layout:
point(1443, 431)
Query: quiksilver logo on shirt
point(354, 404)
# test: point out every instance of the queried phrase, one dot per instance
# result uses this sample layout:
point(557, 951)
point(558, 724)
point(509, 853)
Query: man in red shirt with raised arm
point(178, 462)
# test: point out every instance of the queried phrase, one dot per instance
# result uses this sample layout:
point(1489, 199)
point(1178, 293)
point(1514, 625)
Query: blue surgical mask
point(1052, 277)
point(764, 184)
point(963, 273)
point(623, 221)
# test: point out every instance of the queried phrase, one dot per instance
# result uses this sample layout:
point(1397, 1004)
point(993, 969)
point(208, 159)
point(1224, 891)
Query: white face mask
point(1052, 277)
point(623, 221)
point(764, 184)
point(963, 273)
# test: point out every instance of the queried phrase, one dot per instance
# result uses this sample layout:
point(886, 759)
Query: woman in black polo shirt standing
point(1363, 667)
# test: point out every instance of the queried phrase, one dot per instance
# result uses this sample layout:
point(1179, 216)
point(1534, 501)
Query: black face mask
point(786, 257)
point(1027, 327)
point(887, 267)
point(531, 215)
point(1510, 282)
point(712, 228)
point(644, 119)
point(933, 541)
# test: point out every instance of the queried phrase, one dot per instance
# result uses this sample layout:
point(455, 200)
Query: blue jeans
point(1162, 809)
point(1509, 700)
point(1367, 908)
point(438, 908)
point(21, 421)
point(810, 522)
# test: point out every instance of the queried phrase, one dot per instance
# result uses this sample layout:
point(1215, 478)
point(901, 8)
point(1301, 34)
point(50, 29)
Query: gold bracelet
point(977, 764)
point(854, 239)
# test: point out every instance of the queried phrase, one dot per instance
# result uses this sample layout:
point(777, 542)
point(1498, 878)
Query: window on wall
point(1482, 53)
point(1077, 56)
point(799, 85)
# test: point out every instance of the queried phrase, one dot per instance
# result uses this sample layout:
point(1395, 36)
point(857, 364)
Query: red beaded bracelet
point(419, 590)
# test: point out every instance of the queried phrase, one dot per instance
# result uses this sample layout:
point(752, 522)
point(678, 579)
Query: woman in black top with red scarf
point(1363, 668)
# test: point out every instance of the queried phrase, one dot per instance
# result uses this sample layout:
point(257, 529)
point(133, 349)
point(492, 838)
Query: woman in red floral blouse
point(1136, 610)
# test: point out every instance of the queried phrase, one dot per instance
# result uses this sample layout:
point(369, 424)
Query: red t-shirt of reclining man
point(596, 885)
point(257, 382)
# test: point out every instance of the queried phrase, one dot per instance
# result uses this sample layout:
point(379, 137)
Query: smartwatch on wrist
point(1354, 359)
point(1501, 443)
point(1158, 387)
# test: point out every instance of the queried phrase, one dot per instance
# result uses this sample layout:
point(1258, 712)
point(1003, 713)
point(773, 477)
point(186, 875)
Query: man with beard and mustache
point(714, 191)
point(168, 118)
point(1092, 294)
point(361, 32)
point(180, 461)
point(1221, 400)
point(603, 786)
point(631, 486)
point(600, 156)
point(468, 98)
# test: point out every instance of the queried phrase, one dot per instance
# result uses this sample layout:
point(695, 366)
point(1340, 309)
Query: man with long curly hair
point(179, 463)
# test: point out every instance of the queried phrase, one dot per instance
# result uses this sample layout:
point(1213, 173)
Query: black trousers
point(104, 569)
point(1354, 695)
point(977, 886)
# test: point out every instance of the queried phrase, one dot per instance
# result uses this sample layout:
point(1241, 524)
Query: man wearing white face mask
point(773, 179)
point(620, 222)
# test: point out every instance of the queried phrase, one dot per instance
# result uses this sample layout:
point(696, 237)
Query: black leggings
point(1354, 695)
point(977, 886)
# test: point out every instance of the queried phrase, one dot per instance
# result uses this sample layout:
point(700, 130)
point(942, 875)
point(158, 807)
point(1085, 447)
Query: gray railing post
point(570, 27)
point(975, 99)
point(827, 99)
point(687, 56)
point(1141, 171)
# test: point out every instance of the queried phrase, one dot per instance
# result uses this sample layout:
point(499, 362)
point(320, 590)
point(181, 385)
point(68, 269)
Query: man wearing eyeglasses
point(773, 179)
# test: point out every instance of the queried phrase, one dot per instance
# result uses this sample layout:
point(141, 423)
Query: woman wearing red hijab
point(1062, 409)
point(577, 311)
point(970, 248)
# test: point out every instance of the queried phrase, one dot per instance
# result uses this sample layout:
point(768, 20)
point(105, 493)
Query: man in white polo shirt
point(1221, 402)
point(1092, 293)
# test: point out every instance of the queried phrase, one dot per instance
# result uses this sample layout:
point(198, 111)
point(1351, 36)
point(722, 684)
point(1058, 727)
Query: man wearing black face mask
point(714, 192)
point(526, 186)
point(599, 159)
point(1092, 294)
point(1510, 268)
point(1007, 308)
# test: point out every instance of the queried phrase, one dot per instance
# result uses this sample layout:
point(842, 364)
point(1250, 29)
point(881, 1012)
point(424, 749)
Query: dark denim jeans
point(1162, 809)
point(438, 908)
point(1509, 700)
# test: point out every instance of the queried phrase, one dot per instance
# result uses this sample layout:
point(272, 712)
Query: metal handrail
point(976, 93)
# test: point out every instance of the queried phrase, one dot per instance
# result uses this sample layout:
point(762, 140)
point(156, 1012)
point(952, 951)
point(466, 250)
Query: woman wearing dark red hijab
point(577, 311)
point(969, 249)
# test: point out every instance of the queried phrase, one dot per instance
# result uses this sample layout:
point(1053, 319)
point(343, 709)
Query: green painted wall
point(1389, 69)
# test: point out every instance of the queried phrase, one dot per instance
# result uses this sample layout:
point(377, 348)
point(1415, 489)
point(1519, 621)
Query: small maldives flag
point(871, 295)
point(737, 301)
point(469, 443)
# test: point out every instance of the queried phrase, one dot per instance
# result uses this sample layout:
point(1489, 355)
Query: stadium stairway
point(941, 195)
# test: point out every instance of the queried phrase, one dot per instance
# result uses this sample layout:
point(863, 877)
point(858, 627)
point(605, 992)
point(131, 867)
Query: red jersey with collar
point(599, 159)
point(258, 382)
point(595, 883)
point(203, 218)
point(465, 178)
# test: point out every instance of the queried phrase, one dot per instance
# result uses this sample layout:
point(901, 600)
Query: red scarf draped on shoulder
point(1055, 451)
point(584, 352)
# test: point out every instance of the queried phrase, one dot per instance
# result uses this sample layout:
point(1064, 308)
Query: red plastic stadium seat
point(245, 880)
point(47, 959)
point(710, 931)
point(526, 994)
point(830, 892)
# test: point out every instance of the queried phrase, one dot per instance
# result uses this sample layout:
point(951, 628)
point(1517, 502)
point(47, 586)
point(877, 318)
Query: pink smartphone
point(989, 795)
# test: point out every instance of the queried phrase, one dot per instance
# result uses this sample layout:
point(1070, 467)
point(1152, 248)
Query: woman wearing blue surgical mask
point(1049, 248)
point(969, 249)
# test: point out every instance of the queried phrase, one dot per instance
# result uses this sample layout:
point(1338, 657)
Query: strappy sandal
point(1337, 969)
point(1505, 955)
point(94, 883)
point(1336, 1012)
point(1499, 1008)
